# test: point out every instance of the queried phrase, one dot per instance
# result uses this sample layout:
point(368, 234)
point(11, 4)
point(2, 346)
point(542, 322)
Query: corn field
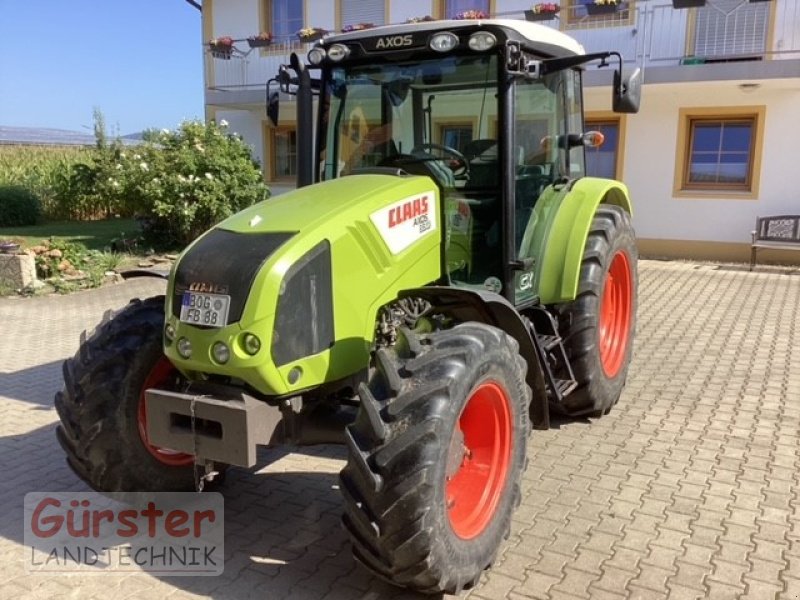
point(45, 170)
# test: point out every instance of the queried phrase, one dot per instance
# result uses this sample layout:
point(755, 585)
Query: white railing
point(247, 67)
point(650, 32)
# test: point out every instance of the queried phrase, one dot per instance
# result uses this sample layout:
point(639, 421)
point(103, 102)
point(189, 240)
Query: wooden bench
point(781, 232)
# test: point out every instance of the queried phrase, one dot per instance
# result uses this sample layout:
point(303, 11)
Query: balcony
point(754, 39)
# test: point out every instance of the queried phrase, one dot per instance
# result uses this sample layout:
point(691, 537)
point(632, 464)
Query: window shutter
point(731, 28)
point(363, 11)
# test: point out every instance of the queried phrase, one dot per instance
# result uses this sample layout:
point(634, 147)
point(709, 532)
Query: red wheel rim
point(162, 371)
point(474, 489)
point(615, 314)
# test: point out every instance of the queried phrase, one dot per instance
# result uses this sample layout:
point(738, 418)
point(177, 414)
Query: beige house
point(711, 149)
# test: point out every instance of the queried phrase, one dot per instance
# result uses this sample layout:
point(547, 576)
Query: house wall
point(651, 153)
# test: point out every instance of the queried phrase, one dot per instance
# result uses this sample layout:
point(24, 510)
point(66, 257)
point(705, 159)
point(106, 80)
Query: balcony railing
point(648, 33)
point(249, 67)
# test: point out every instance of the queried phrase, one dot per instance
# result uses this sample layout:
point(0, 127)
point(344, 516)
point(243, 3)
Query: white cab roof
point(532, 31)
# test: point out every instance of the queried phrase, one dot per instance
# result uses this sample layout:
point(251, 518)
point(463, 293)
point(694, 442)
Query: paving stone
point(688, 489)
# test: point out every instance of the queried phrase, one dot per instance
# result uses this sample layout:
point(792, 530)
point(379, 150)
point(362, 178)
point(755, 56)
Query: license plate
point(210, 310)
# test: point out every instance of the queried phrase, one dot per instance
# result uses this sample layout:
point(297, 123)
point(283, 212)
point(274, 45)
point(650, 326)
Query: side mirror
point(273, 103)
point(627, 92)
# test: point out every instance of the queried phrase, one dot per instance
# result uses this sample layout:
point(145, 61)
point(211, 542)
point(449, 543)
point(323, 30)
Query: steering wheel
point(457, 162)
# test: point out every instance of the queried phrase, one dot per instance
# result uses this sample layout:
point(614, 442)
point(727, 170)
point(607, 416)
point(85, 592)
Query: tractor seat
point(483, 166)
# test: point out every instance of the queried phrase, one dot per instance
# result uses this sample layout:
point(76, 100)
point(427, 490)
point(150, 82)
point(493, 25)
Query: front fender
point(558, 271)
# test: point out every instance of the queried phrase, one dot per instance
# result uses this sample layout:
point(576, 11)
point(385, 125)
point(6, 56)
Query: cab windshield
point(439, 118)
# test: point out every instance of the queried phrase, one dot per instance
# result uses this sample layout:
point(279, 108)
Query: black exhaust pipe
point(305, 123)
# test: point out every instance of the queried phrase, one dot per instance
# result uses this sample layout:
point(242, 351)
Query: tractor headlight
point(338, 52)
point(185, 348)
point(316, 56)
point(251, 344)
point(304, 316)
point(482, 41)
point(169, 333)
point(443, 41)
point(220, 352)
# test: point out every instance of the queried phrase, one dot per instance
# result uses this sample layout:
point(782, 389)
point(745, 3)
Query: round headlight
point(169, 333)
point(220, 352)
point(338, 52)
point(316, 55)
point(251, 344)
point(481, 41)
point(185, 348)
point(443, 41)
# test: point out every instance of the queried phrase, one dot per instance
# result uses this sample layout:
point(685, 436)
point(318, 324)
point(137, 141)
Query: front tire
point(598, 326)
point(101, 407)
point(436, 456)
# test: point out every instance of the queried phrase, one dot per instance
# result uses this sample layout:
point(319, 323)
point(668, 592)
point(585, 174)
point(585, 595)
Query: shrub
point(18, 206)
point(179, 183)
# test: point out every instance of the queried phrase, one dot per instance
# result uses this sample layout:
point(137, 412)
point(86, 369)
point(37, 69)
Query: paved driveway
point(688, 489)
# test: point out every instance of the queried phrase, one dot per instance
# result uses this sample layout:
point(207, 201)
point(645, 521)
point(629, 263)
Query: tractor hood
point(306, 273)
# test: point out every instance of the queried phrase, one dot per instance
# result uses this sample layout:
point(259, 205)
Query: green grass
point(95, 235)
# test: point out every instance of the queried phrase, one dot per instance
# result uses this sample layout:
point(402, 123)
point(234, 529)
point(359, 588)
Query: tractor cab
point(491, 111)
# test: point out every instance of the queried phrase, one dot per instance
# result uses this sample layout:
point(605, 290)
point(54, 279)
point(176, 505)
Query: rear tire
point(598, 326)
point(100, 405)
point(436, 456)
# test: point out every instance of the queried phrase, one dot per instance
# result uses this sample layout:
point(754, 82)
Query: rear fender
point(492, 309)
point(558, 271)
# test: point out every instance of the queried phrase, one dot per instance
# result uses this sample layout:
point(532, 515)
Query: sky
point(138, 61)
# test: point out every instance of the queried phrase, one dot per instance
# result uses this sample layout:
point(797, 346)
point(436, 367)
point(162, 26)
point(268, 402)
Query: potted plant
point(688, 3)
point(310, 34)
point(471, 14)
point(425, 19)
point(543, 11)
point(602, 7)
point(221, 47)
point(261, 40)
point(357, 27)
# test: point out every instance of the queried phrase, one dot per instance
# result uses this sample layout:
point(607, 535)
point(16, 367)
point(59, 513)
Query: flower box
point(221, 47)
point(688, 3)
point(357, 27)
point(257, 42)
point(601, 9)
point(540, 16)
point(308, 36)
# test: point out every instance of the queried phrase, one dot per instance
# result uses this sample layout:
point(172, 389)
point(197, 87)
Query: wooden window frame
point(271, 154)
point(682, 188)
point(595, 21)
point(440, 125)
point(440, 5)
point(621, 122)
point(338, 14)
point(265, 19)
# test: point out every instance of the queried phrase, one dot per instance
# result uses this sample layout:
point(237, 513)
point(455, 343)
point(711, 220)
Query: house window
point(603, 161)
point(451, 8)
point(719, 151)
point(455, 135)
point(284, 153)
point(284, 18)
point(353, 12)
point(588, 13)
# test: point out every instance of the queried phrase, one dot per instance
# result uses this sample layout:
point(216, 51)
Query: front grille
point(227, 262)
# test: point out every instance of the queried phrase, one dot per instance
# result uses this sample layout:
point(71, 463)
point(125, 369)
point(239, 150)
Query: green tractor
point(426, 296)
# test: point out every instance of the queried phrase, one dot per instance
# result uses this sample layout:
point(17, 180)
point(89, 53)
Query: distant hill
point(45, 136)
